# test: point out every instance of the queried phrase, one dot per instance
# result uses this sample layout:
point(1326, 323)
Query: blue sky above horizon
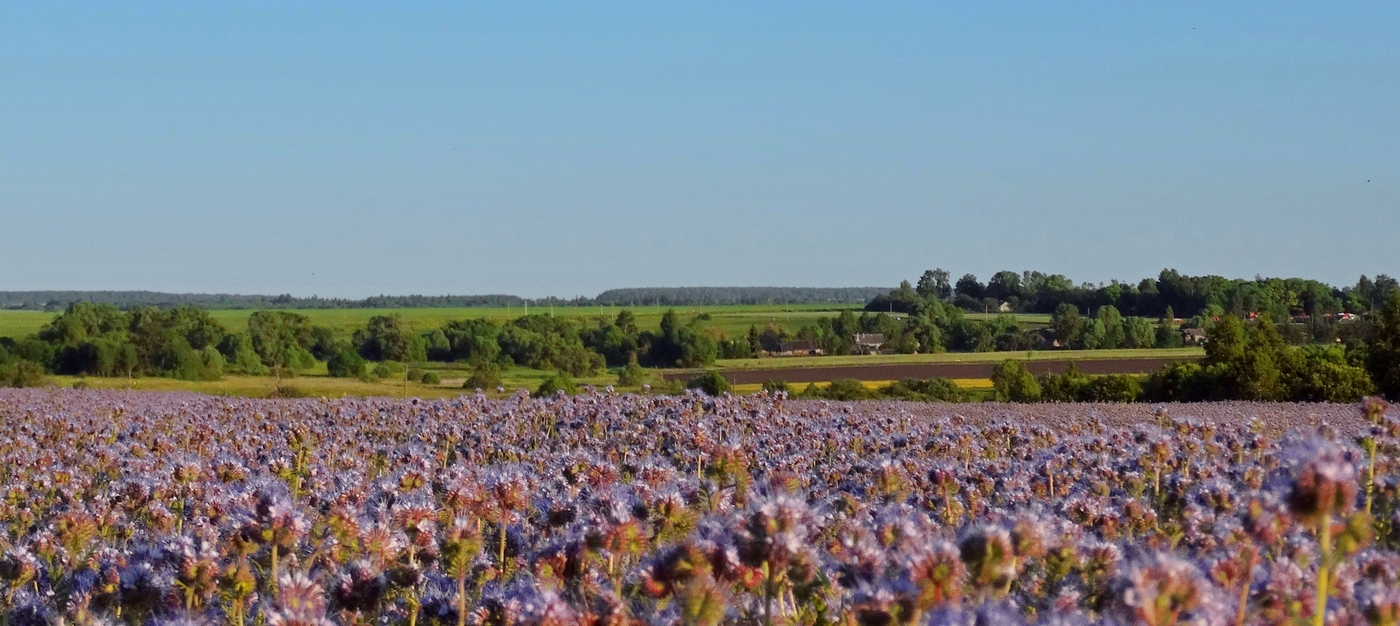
point(350, 149)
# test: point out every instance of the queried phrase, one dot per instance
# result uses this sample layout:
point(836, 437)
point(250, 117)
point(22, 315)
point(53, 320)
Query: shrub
point(382, 370)
point(930, 390)
point(346, 362)
point(711, 382)
point(21, 373)
point(560, 381)
point(667, 387)
point(773, 386)
point(431, 378)
point(1014, 383)
point(287, 391)
point(632, 374)
point(415, 374)
point(1066, 387)
point(846, 389)
point(484, 375)
point(1112, 388)
point(1186, 382)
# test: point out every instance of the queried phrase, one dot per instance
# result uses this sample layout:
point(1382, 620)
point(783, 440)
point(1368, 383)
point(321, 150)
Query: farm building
point(868, 343)
point(1193, 336)
point(1047, 337)
point(801, 347)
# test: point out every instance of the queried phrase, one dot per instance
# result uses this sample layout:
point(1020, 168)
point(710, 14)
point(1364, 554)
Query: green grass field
point(731, 320)
point(954, 357)
point(22, 323)
point(734, 321)
point(316, 383)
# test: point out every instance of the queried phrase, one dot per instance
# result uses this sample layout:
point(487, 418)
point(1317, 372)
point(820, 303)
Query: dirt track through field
point(936, 370)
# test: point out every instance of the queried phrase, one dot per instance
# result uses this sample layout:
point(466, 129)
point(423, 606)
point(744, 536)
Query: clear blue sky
point(350, 149)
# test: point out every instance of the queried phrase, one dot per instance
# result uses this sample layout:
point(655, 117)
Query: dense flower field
point(617, 509)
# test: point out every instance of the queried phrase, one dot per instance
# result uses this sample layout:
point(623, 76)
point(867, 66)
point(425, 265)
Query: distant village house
point(868, 343)
point(1193, 336)
point(800, 347)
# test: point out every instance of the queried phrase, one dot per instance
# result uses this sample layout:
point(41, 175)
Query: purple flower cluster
point(608, 509)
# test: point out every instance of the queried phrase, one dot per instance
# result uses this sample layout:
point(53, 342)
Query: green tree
point(473, 340)
point(1383, 353)
point(281, 340)
point(1325, 376)
point(933, 284)
point(1066, 324)
point(1014, 383)
point(485, 375)
point(555, 383)
point(711, 382)
point(846, 390)
point(632, 374)
point(390, 338)
point(1114, 333)
point(239, 355)
point(323, 343)
point(1121, 388)
point(929, 390)
point(1261, 374)
point(345, 362)
point(681, 345)
point(1138, 332)
point(1093, 335)
point(1066, 387)
point(1168, 335)
point(16, 372)
point(1225, 342)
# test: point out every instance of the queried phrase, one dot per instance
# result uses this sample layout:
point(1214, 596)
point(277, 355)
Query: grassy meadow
point(733, 320)
point(316, 383)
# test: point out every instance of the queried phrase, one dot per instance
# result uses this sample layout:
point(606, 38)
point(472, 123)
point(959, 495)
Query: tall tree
point(282, 340)
point(934, 284)
point(1260, 375)
point(1014, 383)
point(968, 286)
point(1113, 332)
point(1066, 323)
point(390, 338)
point(1004, 286)
point(1383, 355)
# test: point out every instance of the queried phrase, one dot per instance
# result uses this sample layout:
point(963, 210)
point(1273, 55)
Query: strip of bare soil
point(935, 370)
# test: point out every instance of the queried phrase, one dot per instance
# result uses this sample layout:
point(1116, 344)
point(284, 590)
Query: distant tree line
point(1036, 292)
point(930, 325)
point(1244, 360)
point(712, 296)
point(186, 343)
point(61, 300)
point(658, 296)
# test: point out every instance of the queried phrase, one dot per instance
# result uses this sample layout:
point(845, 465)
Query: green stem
point(502, 548)
point(1370, 475)
point(461, 596)
point(1244, 589)
point(767, 595)
point(272, 580)
point(1323, 568)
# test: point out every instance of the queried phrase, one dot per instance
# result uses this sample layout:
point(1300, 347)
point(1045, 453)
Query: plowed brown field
point(934, 370)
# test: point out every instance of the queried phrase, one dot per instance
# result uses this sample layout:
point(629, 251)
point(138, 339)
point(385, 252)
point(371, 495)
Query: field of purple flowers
point(622, 509)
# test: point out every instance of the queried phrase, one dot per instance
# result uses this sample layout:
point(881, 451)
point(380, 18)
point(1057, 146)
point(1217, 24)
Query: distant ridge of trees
point(664, 296)
point(709, 296)
point(60, 300)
